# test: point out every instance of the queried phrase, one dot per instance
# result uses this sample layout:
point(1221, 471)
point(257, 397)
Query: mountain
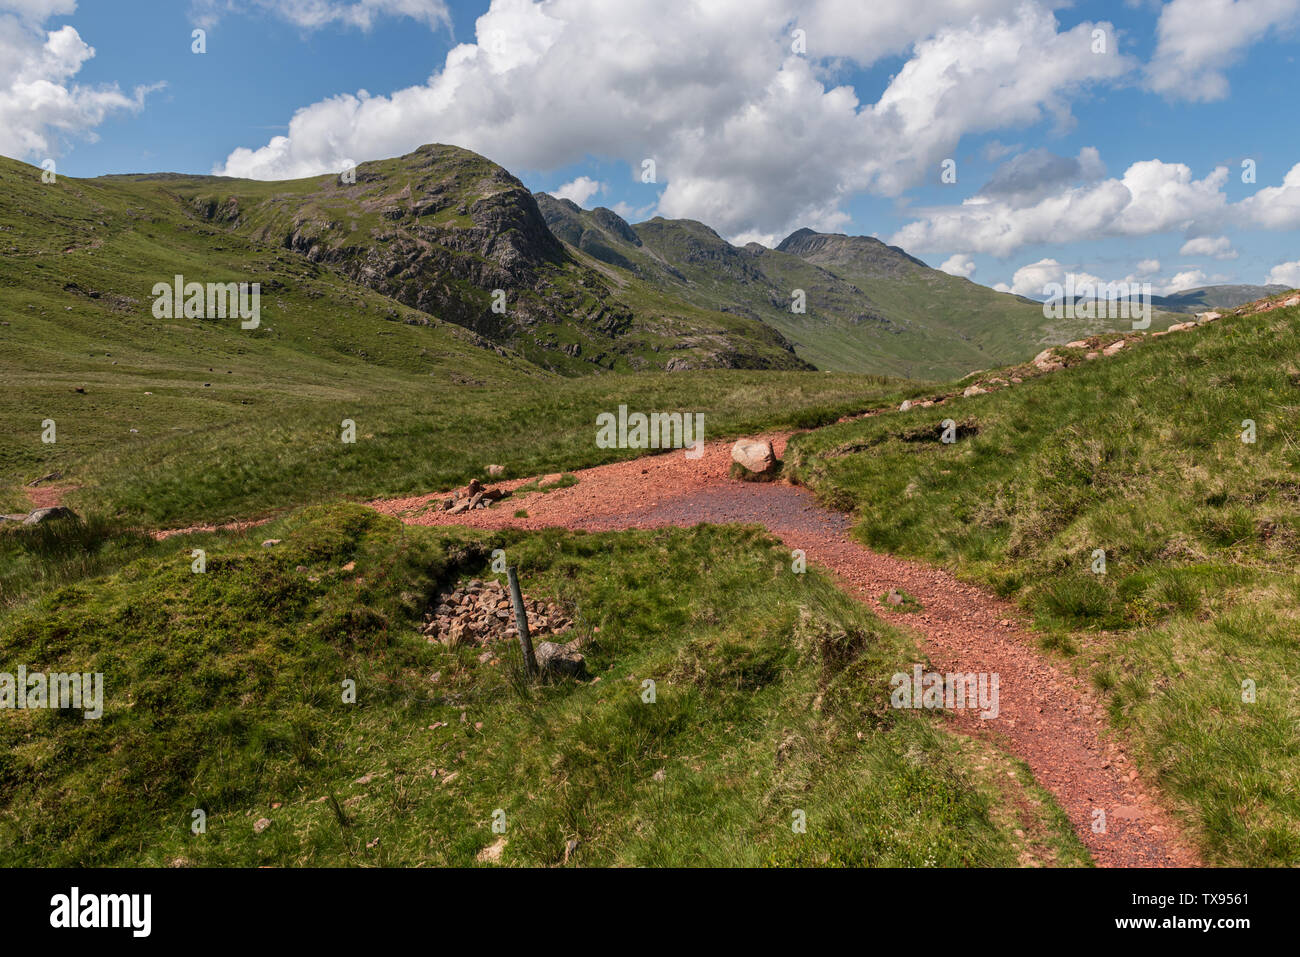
point(447, 239)
point(1205, 298)
point(869, 306)
point(447, 232)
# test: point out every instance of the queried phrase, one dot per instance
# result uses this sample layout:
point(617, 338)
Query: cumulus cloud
point(766, 145)
point(1151, 197)
point(1197, 39)
point(1188, 279)
point(958, 265)
point(1218, 247)
point(579, 190)
point(1029, 280)
point(40, 104)
point(1285, 274)
point(1274, 207)
point(314, 14)
point(1033, 175)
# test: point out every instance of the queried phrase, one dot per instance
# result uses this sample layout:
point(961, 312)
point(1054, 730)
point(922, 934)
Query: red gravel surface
point(1047, 716)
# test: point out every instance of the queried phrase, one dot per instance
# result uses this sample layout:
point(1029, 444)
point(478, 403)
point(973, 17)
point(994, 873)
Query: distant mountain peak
point(826, 249)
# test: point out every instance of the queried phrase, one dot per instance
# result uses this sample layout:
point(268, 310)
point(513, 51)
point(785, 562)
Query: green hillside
point(1140, 456)
point(177, 420)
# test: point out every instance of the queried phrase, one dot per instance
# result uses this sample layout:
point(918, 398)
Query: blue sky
point(1119, 162)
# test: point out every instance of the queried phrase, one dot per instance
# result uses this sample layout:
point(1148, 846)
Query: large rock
point(43, 515)
point(754, 455)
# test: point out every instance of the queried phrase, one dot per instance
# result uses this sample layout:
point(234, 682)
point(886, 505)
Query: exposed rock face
point(754, 455)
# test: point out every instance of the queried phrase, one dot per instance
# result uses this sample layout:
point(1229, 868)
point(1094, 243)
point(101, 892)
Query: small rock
point(261, 825)
point(271, 541)
point(1114, 347)
point(496, 470)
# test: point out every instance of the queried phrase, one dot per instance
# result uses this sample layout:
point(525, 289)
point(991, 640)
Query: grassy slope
point(224, 693)
point(1139, 455)
point(240, 422)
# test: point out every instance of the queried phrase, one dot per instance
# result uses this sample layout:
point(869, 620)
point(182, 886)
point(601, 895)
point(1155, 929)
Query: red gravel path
point(1047, 716)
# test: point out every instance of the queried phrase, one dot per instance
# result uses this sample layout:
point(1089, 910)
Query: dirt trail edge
point(1047, 717)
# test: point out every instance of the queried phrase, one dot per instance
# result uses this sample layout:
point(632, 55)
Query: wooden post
point(521, 621)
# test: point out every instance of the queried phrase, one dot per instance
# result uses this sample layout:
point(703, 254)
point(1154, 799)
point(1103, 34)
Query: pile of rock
point(479, 613)
point(471, 497)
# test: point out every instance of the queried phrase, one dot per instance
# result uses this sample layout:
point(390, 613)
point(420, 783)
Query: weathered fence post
point(521, 621)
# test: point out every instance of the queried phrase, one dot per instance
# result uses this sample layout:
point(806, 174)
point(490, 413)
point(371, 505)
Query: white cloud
point(314, 14)
point(633, 214)
point(40, 105)
point(1030, 279)
point(579, 190)
point(1219, 247)
point(1274, 207)
point(1188, 279)
point(1285, 274)
point(1197, 39)
point(766, 144)
point(1151, 197)
point(958, 265)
